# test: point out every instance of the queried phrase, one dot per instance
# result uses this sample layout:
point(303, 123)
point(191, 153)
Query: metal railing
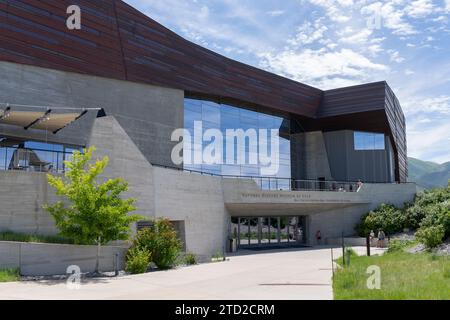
point(33, 160)
point(281, 184)
point(40, 160)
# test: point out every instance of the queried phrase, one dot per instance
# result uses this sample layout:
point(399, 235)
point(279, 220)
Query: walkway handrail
point(280, 184)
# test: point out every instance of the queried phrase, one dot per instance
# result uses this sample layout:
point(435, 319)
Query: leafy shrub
point(21, 237)
point(438, 215)
point(218, 256)
point(9, 275)
point(190, 259)
point(387, 217)
point(413, 215)
point(432, 236)
point(430, 209)
point(162, 243)
point(138, 260)
point(399, 245)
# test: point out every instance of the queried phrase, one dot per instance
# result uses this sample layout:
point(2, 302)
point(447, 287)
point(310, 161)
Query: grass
point(9, 275)
point(20, 237)
point(404, 276)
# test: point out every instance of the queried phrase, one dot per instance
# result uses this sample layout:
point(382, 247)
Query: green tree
point(95, 213)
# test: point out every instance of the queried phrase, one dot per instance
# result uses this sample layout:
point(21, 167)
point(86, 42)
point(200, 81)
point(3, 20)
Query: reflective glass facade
point(268, 231)
point(34, 156)
point(369, 141)
point(222, 117)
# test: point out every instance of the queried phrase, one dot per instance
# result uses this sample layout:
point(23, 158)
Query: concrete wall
point(39, 259)
point(348, 164)
point(147, 113)
point(195, 201)
point(309, 156)
point(332, 223)
point(179, 196)
point(125, 161)
point(22, 195)
point(330, 212)
point(198, 200)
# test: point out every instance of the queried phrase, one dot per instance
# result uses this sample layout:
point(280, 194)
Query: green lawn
point(9, 275)
point(404, 276)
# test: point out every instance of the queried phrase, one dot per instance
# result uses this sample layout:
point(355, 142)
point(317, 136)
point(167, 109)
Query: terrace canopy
point(41, 118)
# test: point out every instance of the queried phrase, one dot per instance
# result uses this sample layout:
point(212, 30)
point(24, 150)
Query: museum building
point(125, 84)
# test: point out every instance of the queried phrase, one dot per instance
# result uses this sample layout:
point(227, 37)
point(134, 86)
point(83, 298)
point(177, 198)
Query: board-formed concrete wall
point(148, 114)
point(42, 259)
point(179, 196)
point(193, 199)
point(125, 161)
point(198, 200)
point(22, 197)
point(332, 223)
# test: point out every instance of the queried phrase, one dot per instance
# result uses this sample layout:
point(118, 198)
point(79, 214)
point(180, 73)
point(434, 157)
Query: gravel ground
point(404, 236)
point(443, 249)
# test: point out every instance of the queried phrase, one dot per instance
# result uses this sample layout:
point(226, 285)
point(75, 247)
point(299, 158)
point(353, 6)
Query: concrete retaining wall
point(354, 241)
point(347, 241)
point(42, 259)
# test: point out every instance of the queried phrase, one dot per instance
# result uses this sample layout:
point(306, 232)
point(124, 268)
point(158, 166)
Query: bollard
point(343, 250)
point(348, 254)
point(116, 264)
point(368, 245)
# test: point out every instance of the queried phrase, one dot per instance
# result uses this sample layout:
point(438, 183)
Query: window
point(368, 141)
point(223, 117)
point(34, 155)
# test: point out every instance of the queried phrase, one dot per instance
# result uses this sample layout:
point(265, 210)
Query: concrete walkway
point(288, 274)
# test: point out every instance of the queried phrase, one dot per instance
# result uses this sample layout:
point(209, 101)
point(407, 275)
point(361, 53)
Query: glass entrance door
point(269, 231)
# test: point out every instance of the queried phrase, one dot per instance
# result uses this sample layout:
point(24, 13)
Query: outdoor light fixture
point(40, 120)
point(45, 118)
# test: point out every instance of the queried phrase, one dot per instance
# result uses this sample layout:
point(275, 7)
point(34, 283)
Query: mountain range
point(428, 174)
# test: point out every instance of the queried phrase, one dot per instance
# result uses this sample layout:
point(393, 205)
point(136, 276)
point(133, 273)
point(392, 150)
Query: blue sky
point(335, 43)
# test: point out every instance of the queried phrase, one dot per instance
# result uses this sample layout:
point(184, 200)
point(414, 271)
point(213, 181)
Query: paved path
point(289, 274)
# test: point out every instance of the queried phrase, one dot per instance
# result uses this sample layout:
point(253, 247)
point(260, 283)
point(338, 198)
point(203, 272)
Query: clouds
point(308, 33)
point(420, 8)
point(322, 68)
point(390, 16)
point(335, 43)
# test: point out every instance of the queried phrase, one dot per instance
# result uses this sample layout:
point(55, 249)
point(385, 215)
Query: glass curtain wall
point(34, 156)
point(221, 116)
point(266, 231)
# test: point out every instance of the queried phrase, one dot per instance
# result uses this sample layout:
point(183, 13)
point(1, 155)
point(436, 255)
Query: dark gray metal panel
point(345, 108)
point(336, 145)
point(348, 164)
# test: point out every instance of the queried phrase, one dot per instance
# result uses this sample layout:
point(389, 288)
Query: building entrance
point(268, 232)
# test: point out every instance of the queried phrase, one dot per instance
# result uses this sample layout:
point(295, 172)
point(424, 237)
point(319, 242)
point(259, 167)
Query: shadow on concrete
point(265, 250)
point(52, 281)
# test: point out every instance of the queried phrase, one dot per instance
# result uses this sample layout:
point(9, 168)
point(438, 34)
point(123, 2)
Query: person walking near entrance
point(318, 237)
point(371, 236)
point(381, 238)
